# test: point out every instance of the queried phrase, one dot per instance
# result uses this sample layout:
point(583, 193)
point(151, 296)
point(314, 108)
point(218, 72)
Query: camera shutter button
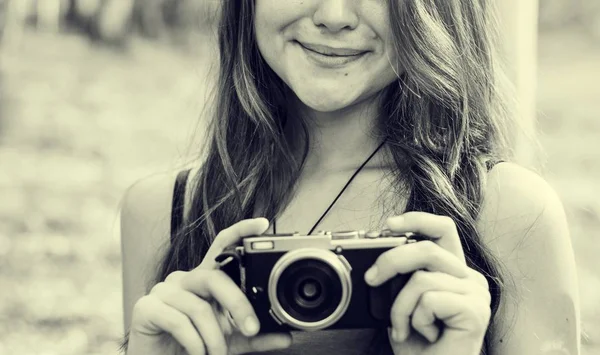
point(373, 234)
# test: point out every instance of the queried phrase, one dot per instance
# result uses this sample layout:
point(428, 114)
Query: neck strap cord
point(341, 192)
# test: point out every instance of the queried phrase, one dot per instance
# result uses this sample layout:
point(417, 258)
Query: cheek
point(273, 20)
point(275, 17)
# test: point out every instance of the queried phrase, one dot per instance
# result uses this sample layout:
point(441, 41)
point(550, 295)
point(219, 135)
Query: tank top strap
point(178, 204)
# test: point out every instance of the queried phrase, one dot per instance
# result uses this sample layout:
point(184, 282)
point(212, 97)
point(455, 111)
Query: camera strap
point(341, 192)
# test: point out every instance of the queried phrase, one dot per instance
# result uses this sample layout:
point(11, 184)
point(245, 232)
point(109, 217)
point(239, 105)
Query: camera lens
point(307, 293)
point(309, 290)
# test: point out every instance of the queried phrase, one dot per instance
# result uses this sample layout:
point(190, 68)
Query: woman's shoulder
point(516, 193)
point(147, 204)
point(523, 221)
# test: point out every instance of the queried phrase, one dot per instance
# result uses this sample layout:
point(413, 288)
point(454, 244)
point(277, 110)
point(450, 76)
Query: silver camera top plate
point(277, 243)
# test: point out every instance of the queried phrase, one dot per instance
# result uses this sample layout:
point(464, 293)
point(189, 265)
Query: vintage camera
point(315, 282)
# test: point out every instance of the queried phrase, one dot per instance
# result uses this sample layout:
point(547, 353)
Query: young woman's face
point(331, 53)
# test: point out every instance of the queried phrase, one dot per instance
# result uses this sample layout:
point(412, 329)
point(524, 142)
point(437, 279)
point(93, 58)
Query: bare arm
point(145, 221)
point(524, 224)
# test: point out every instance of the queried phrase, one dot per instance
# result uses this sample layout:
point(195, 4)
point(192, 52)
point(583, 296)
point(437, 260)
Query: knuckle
point(176, 325)
point(225, 233)
point(200, 277)
point(433, 252)
point(159, 289)
point(216, 276)
point(201, 311)
point(428, 246)
point(487, 315)
point(481, 315)
point(480, 283)
point(478, 312)
point(163, 290)
point(143, 305)
point(427, 300)
point(175, 276)
point(448, 223)
point(418, 319)
point(481, 279)
point(399, 311)
point(420, 278)
point(487, 297)
point(217, 243)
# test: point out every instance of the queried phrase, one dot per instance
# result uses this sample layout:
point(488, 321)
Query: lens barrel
point(309, 289)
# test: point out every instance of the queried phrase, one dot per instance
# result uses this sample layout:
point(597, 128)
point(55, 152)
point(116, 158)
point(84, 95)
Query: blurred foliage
point(111, 21)
point(79, 123)
point(554, 14)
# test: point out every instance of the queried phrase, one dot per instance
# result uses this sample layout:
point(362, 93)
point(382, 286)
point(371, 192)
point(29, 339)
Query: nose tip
point(335, 15)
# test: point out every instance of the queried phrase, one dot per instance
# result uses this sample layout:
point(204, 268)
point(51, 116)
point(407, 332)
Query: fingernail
point(371, 274)
point(251, 325)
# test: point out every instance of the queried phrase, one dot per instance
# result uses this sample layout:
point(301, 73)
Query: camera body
point(315, 282)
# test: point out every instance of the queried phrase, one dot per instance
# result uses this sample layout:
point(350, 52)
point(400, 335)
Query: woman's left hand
point(445, 306)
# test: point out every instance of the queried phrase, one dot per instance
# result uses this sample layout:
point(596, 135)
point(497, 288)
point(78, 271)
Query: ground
point(80, 123)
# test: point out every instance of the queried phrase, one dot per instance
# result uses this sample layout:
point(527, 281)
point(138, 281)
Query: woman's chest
point(330, 203)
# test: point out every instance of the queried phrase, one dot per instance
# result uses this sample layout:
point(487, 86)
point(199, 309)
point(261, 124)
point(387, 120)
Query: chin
point(327, 101)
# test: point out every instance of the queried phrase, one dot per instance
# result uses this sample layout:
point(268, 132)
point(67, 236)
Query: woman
point(406, 99)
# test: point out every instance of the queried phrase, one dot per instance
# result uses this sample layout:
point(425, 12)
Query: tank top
point(326, 342)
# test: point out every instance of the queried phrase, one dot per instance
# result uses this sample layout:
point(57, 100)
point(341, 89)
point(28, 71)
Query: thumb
point(239, 344)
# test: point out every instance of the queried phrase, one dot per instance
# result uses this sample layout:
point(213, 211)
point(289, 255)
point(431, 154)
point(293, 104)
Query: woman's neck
point(339, 140)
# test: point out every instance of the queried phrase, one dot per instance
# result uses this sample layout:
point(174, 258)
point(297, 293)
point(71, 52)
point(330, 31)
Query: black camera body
point(315, 282)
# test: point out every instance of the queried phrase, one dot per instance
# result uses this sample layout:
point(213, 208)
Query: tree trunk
point(519, 19)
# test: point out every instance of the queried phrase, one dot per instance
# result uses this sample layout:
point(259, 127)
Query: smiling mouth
point(330, 58)
point(331, 52)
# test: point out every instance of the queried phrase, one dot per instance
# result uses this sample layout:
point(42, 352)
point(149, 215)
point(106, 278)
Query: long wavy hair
point(445, 119)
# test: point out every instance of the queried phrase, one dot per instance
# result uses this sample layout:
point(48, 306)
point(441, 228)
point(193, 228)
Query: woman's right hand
point(187, 309)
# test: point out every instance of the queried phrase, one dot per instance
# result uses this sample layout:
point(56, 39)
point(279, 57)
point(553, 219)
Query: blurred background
point(95, 94)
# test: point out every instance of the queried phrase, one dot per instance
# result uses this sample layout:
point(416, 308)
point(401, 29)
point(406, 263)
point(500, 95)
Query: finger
point(424, 322)
point(216, 285)
point(479, 278)
point(411, 257)
point(419, 283)
point(161, 317)
point(233, 235)
point(442, 228)
point(198, 311)
point(464, 313)
point(175, 277)
point(265, 342)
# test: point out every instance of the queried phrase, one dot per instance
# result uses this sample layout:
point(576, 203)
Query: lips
point(331, 51)
point(332, 58)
